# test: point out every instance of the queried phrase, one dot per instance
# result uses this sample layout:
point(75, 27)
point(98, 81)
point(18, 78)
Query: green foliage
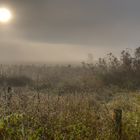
point(19, 127)
point(132, 125)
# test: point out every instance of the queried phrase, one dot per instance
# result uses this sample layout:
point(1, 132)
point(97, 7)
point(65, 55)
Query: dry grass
point(67, 117)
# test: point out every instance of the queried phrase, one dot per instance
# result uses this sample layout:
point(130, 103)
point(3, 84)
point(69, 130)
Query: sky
point(68, 30)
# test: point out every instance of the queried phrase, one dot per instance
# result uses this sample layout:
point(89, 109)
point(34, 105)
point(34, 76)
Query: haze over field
point(67, 30)
point(69, 69)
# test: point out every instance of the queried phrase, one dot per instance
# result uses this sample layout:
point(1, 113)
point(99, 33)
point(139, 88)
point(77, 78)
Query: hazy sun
point(5, 15)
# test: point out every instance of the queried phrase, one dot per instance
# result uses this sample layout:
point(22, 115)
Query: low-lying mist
point(34, 52)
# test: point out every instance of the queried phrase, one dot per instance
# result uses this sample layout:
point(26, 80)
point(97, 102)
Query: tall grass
point(70, 116)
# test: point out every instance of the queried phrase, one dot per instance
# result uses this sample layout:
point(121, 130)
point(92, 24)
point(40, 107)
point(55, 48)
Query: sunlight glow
point(5, 15)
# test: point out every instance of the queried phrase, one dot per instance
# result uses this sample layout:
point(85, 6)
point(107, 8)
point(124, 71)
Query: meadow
point(41, 102)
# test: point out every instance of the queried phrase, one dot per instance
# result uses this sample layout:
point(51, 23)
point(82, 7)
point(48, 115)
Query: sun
point(5, 15)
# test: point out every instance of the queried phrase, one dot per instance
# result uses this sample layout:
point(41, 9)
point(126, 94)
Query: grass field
point(96, 101)
point(32, 115)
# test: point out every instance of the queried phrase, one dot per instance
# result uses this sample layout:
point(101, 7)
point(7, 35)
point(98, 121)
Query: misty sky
point(67, 30)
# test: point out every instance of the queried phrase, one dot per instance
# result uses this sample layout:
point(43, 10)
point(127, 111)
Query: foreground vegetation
point(68, 117)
